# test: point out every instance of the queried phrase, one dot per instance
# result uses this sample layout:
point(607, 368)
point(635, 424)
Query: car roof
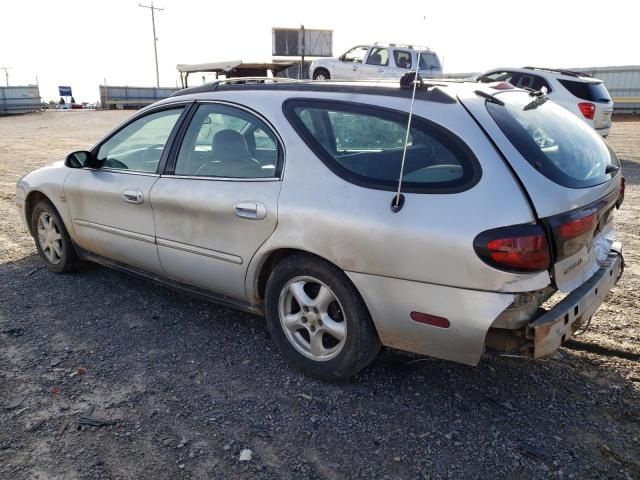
point(402, 46)
point(550, 72)
point(435, 90)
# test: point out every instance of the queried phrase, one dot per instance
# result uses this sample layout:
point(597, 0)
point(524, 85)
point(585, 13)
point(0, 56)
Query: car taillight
point(587, 109)
point(518, 248)
point(579, 226)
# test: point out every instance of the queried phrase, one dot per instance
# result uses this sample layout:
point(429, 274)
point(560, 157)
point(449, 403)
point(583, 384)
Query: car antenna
point(398, 199)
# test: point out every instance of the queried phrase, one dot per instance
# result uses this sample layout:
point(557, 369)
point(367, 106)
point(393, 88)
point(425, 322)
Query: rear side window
point(517, 79)
point(364, 145)
point(554, 141)
point(590, 91)
point(402, 58)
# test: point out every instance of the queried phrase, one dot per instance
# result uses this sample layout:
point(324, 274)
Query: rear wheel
point(318, 320)
point(321, 74)
point(51, 237)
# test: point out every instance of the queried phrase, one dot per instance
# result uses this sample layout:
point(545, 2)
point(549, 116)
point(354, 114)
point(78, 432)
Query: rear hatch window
point(590, 91)
point(572, 155)
point(553, 140)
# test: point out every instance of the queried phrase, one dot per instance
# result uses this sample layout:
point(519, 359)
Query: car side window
point(378, 56)
point(227, 142)
point(139, 146)
point(355, 55)
point(364, 145)
point(402, 58)
point(539, 82)
point(496, 77)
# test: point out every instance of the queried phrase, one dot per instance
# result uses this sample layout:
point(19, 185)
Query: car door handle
point(380, 70)
point(355, 67)
point(250, 210)
point(133, 196)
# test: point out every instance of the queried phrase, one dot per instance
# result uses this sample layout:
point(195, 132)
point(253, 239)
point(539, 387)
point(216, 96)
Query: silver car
point(281, 199)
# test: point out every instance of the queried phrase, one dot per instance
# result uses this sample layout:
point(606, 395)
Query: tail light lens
point(579, 226)
point(587, 109)
point(518, 248)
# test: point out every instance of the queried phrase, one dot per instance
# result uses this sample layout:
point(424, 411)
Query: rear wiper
point(489, 97)
point(539, 100)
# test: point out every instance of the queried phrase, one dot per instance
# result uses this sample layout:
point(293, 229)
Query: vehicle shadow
point(169, 366)
point(631, 171)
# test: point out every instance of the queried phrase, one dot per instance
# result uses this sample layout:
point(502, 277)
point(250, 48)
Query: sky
point(83, 42)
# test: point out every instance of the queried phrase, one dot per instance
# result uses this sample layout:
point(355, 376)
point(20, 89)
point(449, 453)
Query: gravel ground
point(103, 375)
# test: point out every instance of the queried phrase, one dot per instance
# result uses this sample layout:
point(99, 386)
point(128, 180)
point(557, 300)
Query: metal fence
point(623, 84)
point(14, 100)
point(132, 97)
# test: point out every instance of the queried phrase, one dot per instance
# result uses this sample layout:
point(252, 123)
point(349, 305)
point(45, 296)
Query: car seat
point(231, 157)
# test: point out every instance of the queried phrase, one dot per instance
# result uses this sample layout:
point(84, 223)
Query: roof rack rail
point(403, 45)
point(213, 86)
point(570, 73)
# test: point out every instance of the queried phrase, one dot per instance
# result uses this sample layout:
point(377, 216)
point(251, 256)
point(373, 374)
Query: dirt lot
point(184, 386)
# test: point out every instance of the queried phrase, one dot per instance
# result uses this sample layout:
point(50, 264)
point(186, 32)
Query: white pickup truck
point(377, 61)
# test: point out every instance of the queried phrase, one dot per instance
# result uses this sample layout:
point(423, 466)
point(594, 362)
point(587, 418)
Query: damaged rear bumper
point(557, 325)
point(543, 335)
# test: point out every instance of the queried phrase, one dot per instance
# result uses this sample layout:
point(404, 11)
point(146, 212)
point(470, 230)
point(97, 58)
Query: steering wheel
point(542, 139)
point(149, 154)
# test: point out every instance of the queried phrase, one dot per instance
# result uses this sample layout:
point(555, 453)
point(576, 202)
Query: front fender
point(48, 181)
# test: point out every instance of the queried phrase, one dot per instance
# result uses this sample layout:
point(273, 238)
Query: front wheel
point(52, 240)
point(318, 320)
point(321, 74)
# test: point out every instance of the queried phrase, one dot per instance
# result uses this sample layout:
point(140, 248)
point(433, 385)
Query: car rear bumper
point(469, 315)
point(603, 131)
point(553, 328)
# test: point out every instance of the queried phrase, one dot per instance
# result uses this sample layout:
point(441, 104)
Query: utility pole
point(155, 39)
point(6, 73)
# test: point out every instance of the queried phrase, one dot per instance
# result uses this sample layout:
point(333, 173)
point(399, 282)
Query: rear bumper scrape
point(556, 326)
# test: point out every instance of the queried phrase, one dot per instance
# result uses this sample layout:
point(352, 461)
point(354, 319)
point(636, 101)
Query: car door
point(217, 201)
point(349, 65)
point(109, 205)
point(376, 64)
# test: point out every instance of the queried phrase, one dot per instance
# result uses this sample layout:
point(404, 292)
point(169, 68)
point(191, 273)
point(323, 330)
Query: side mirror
point(80, 159)
point(341, 58)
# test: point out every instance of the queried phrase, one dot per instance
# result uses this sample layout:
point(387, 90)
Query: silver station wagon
point(281, 198)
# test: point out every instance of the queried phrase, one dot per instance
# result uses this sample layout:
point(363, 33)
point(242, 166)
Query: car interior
point(427, 160)
point(242, 150)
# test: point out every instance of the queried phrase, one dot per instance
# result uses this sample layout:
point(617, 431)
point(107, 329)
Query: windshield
point(429, 61)
point(553, 140)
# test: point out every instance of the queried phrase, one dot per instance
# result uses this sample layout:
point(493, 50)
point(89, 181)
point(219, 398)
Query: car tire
point(52, 239)
point(317, 318)
point(321, 74)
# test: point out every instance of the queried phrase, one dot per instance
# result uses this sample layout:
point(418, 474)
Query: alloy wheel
point(312, 318)
point(49, 238)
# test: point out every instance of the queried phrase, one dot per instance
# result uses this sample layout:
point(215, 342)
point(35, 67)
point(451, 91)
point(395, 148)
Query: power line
point(6, 73)
point(155, 39)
